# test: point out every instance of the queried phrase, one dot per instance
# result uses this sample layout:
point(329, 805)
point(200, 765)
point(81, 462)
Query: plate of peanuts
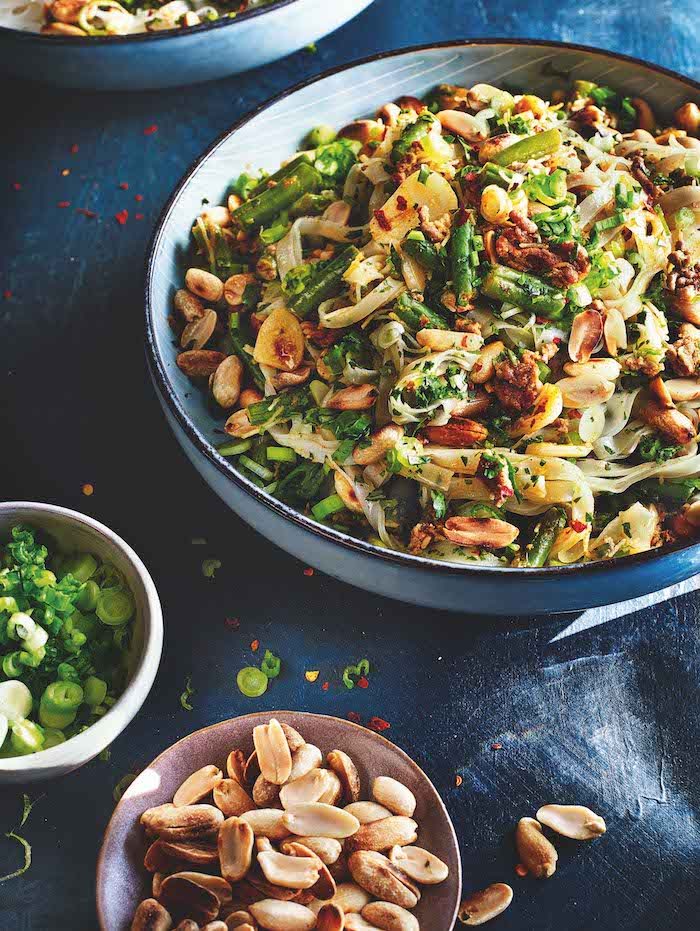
point(245, 825)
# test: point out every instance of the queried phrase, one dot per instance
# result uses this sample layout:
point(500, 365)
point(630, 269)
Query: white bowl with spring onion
point(73, 532)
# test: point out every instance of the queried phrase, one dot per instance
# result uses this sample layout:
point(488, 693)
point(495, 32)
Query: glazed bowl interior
point(174, 57)
point(270, 135)
point(122, 881)
point(70, 532)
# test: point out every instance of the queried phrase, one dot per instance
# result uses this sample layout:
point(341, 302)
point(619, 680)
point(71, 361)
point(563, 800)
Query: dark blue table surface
point(608, 717)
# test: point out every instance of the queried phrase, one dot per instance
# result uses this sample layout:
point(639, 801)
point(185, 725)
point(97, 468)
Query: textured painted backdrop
point(606, 717)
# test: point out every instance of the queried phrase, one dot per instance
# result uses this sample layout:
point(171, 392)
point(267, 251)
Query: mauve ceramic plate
point(122, 881)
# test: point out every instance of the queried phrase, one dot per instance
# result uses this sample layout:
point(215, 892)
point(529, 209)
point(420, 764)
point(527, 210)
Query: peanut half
point(485, 904)
point(573, 821)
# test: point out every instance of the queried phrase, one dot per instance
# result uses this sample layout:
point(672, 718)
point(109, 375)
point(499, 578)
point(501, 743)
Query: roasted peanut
point(235, 849)
point(188, 306)
point(320, 820)
point(572, 821)
point(196, 786)
point(151, 916)
point(457, 432)
point(235, 286)
point(378, 876)
point(345, 769)
point(367, 812)
point(687, 117)
point(232, 799)
point(483, 368)
point(390, 917)
point(393, 795)
point(384, 835)
point(345, 490)
point(378, 444)
point(187, 823)
point(536, 853)
point(282, 916)
point(586, 334)
point(226, 382)
point(204, 284)
point(488, 532)
point(182, 896)
point(420, 865)
point(488, 903)
point(199, 363)
point(354, 398)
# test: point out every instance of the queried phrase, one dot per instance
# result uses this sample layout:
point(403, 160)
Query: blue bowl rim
point(226, 468)
point(24, 35)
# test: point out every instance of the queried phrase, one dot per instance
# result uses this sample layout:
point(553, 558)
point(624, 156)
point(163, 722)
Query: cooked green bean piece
point(418, 247)
point(418, 316)
point(461, 267)
point(546, 531)
point(265, 206)
point(323, 285)
point(414, 132)
point(515, 287)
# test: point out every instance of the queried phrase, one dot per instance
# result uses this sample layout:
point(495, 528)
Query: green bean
point(537, 552)
point(265, 206)
point(413, 133)
point(424, 252)
point(238, 341)
point(279, 175)
point(324, 284)
point(514, 287)
point(461, 268)
point(536, 146)
point(418, 316)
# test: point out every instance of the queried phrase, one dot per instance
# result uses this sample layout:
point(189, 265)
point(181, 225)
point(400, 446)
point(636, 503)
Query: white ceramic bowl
point(77, 531)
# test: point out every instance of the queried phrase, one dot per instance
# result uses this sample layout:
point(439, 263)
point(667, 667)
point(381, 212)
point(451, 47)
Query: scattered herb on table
point(187, 694)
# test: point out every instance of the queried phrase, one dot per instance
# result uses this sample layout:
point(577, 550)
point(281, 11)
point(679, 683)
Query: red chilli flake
point(308, 571)
point(85, 212)
point(378, 724)
point(354, 717)
point(74, 149)
point(138, 197)
point(254, 645)
point(496, 746)
point(232, 623)
point(149, 130)
point(382, 219)
point(326, 686)
point(471, 176)
point(124, 185)
point(138, 216)
point(122, 217)
point(401, 203)
point(578, 526)
point(63, 204)
point(362, 682)
point(16, 186)
point(7, 294)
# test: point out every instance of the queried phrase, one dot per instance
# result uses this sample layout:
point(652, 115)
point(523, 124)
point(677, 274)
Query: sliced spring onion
point(234, 449)
point(114, 607)
point(252, 681)
point(260, 470)
point(281, 454)
point(330, 505)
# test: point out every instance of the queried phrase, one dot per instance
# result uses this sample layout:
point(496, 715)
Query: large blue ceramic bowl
point(174, 57)
point(266, 137)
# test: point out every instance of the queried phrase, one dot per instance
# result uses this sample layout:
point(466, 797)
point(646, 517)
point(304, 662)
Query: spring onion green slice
point(252, 681)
